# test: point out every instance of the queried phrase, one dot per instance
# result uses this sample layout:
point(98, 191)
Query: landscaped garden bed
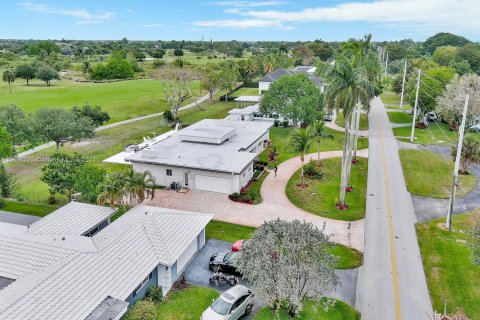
point(321, 195)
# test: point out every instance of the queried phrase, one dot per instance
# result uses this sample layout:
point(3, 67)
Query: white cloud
point(152, 25)
point(246, 4)
point(82, 14)
point(423, 16)
point(238, 24)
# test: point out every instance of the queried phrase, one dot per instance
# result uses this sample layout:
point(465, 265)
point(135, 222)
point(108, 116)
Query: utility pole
point(461, 132)
point(403, 84)
point(386, 64)
point(416, 105)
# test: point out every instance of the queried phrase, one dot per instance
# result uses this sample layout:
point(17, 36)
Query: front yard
point(340, 121)
point(438, 134)
point(321, 195)
point(430, 175)
point(453, 281)
point(399, 117)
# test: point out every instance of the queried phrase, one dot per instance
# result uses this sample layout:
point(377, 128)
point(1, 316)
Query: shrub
point(155, 294)
point(234, 196)
point(142, 310)
point(246, 197)
point(2, 203)
point(52, 199)
point(285, 123)
point(158, 63)
point(168, 116)
point(275, 123)
point(311, 170)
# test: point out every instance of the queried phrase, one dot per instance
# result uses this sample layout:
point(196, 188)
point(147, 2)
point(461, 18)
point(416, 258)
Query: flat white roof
point(73, 284)
point(247, 110)
point(247, 99)
point(225, 157)
point(75, 218)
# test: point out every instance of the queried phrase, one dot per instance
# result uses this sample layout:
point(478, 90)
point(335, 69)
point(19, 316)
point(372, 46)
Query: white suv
point(231, 305)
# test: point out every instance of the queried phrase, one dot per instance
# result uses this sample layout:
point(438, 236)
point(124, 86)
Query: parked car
point(328, 116)
point(231, 305)
point(226, 261)
point(432, 117)
point(474, 128)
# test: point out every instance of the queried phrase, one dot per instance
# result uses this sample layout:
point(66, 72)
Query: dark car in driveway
point(226, 261)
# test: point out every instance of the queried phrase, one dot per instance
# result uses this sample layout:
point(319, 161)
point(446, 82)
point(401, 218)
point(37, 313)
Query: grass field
point(32, 209)
point(348, 258)
point(321, 194)
point(405, 107)
point(245, 92)
point(122, 100)
point(399, 117)
point(340, 121)
point(314, 311)
point(453, 281)
point(438, 134)
point(428, 174)
point(279, 137)
point(391, 98)
point(105, 144)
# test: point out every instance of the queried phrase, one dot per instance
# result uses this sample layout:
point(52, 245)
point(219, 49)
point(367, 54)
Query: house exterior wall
point(263, 86)
point(140, 294)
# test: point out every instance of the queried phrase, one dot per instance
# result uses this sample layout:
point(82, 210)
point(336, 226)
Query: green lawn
point(405, 107)
point(186, 304)
point(399, 117)
point(279, 137)
point(452, 278)
point(391, 98)
point(427, 174)
point(340, 121)
point(321, 194)
point(122, 100)
point(244, 91)
point(348, 258)
point(105, 144)
point(438, 134)
point(314, 311)
point(32, 209)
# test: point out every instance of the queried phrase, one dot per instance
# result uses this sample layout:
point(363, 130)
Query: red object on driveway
point(237, 245)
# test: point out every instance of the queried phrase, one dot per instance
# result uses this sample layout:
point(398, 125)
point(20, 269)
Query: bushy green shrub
point(285, 123)
point(155, 294)
point(52, 199)
point(275, 123)
point(158, 63)
point(311, 170)
point(168, 116)
point(142, 310)
point(2, 203)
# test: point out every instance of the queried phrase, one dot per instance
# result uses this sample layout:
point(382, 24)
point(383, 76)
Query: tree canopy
point(6, 147)
point(444, 39)
point(293, 97)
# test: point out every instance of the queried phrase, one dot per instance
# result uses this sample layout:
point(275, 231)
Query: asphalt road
point(391, 283)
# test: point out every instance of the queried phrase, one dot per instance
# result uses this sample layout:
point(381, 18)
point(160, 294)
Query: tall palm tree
point(348, 86)
point(300, 141)
point(268, 63)
point(113, 191)
point(319, 134)
point(9, 76)
point(250, 67)
point(140, 185)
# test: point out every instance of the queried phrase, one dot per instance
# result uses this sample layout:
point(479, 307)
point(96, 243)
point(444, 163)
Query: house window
point(135, 292)
point(169, 172)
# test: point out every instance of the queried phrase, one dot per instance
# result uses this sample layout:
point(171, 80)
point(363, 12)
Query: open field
point(321, 194)
point(452, 278)
point(399, 117)
point(279, 137)
point(122, 100)
point(105, 144)
point(340, 121)
point(430, 175)
point(438, 134)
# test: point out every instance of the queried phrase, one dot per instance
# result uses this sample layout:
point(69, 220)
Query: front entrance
point(186, 179)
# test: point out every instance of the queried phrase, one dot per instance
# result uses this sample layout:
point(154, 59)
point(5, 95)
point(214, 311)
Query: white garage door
point(215, 184)
point(187, 255)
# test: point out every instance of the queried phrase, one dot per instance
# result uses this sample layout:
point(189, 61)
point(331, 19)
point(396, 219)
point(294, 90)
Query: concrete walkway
point(392, 283)
point(108, 126)
point(332, 125)
point(275, 204)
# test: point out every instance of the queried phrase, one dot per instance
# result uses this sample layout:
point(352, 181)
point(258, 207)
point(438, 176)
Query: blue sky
point(240, 20)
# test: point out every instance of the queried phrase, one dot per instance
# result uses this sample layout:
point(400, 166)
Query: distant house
point(210, 155)
point(265, 82)
point(52, 272)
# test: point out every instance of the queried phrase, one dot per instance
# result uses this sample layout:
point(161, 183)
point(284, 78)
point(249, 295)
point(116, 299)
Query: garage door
point(215, 184)
point(187, 255)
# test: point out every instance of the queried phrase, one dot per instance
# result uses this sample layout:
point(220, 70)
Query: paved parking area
point(17, 218)
point(198, 273)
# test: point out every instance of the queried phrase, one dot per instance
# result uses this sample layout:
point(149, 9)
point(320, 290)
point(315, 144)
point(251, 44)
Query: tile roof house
point(265, 82)
point(210, 155)
point(72, 276)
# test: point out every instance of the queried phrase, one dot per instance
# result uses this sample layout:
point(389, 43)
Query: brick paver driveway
point(275, 204)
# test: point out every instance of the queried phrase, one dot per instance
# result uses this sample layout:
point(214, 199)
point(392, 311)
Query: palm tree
point(319, 134)
point(250, 67)
point(140, 185)
point(113, 191)
point(268, 63)
point(300, 141)
point(348, 86)
point(470, 153)
point(9, 76)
